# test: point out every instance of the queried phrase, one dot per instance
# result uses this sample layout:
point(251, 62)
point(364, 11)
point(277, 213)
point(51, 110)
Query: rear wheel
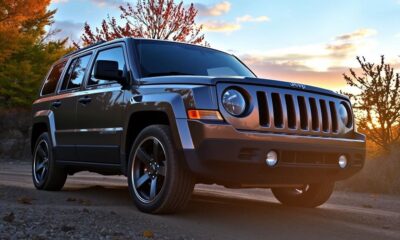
point(309, 195)
point(46, 175)
point(159, 181)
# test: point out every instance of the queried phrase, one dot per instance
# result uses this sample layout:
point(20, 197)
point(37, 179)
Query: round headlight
point(234, 102)
point(345, 115)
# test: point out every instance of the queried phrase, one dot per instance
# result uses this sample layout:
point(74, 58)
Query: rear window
point(51, 82)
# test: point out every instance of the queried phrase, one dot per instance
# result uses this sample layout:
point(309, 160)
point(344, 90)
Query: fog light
point(342, 161)
point(272, 158)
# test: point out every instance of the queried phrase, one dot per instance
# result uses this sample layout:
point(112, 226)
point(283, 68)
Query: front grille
point(305, 113)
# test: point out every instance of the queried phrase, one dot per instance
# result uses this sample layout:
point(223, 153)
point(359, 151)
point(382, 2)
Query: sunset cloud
point(68, 29)
point(293, 72)
point(104, 3)
point(222, 26)
point(99, 3)
point(249, 18)
point(214, 10)
point(59, 1)
point(323, 56)
point(360, 33)
point(218, 26)
point(315, 64)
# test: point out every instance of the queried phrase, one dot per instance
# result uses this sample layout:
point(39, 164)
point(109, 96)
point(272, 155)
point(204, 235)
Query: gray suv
point(169, 115)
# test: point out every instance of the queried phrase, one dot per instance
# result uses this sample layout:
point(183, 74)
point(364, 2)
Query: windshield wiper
point(166, 74)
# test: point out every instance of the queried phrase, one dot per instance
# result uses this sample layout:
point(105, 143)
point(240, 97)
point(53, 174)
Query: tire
point(46, 175)
point(158, 178)
point(310, 196)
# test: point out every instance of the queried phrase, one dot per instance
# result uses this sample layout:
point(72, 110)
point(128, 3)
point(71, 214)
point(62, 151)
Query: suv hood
point(208, 80)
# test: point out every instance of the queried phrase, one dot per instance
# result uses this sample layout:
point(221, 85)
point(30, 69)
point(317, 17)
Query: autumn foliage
point(16, 20)
point(377, 103)
point(155, 19)
point(26, 53)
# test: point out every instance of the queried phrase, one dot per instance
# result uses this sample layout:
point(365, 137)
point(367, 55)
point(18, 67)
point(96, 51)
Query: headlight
point(234, 102)
point(345, 115)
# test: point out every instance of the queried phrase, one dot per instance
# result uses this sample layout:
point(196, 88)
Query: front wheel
point(309, 195)
point(158, 179)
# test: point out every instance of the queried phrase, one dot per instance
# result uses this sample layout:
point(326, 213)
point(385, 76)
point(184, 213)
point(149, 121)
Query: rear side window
point(74, 77)
point(51, 82)
point(112, 54)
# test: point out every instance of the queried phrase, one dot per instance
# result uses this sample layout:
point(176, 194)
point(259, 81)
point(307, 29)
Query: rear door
point(64, 108)
point(99, 112)
point(63, 113)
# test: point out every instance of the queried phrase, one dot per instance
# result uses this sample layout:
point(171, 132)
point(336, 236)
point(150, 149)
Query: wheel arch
point(140, 120)
point(43, 121)
point(37, 130)
point(165, 109)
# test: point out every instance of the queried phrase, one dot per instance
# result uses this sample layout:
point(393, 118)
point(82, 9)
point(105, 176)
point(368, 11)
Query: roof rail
point(81, 49)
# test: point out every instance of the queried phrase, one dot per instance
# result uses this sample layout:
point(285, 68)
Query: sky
point(311, 41)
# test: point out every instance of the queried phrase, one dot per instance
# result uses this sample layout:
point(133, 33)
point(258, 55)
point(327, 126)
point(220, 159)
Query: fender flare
point(46, 117)
point(169, 103)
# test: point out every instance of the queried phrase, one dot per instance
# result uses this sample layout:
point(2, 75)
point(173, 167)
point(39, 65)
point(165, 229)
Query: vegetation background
point(27, 50)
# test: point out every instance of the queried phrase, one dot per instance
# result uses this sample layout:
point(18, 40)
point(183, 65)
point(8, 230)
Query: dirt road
point(97, 207)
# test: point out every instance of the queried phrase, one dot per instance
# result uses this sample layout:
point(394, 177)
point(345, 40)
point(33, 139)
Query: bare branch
point(377, 106)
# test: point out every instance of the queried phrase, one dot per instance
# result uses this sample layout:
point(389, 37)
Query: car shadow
point(201, 205)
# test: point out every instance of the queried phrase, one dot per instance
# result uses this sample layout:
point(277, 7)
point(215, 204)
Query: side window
point(113, 54)
point(74, 76)
point(51, 82)
point(67, 75)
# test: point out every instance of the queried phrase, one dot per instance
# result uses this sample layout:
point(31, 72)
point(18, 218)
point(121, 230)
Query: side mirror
point(108, 70)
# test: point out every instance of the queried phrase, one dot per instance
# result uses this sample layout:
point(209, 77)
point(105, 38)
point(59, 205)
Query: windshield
point(159, 58)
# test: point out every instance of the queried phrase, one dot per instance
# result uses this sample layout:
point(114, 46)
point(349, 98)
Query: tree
point(155, 19)
point(377, 103)
point(13, 16)
point(28, 53)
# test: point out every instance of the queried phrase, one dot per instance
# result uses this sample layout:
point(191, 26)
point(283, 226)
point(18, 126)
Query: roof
point(93, 45)
point(124, 39)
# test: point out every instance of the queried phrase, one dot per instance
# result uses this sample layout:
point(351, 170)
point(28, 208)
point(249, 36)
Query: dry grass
point(381, 174)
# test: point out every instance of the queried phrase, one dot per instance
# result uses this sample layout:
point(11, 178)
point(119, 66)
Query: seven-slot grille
point(305, 113)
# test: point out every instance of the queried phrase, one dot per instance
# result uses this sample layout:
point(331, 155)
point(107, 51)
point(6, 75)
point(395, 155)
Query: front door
point(99, 113)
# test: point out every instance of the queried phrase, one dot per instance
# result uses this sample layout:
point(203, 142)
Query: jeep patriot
point(168, 115)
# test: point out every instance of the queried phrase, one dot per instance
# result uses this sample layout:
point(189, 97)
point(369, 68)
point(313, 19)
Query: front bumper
point(221, 154)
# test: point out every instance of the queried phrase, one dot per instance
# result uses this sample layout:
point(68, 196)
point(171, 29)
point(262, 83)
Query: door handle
point(85, 100)
point(56, 104)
